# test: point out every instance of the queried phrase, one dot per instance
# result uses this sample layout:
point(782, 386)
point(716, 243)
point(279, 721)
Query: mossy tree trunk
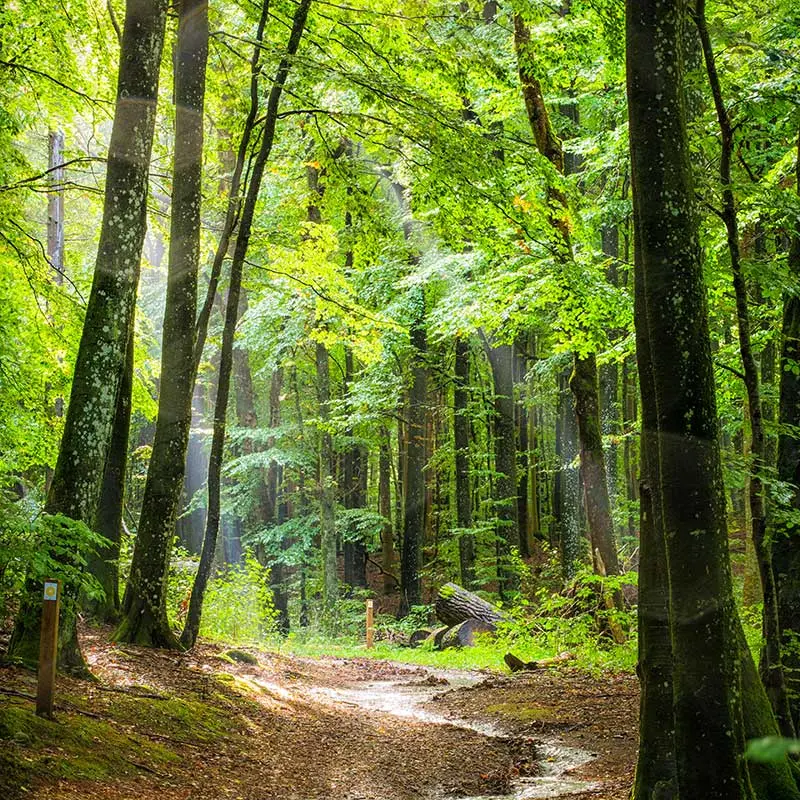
point(656, 777)
point(104, 565)
point(100, 364)
point(710, 668)
point(144, 606)
point(583, 383)
point(786, 539)
point(385, 510)
point(567, 496)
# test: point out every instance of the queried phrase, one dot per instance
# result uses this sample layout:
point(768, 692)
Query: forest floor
point(168, 726)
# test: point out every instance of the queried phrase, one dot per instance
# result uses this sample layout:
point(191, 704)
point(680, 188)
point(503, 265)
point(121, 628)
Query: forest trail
point(199, 725)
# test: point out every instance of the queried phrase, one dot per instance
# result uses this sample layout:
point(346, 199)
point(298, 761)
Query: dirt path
point(191, 726)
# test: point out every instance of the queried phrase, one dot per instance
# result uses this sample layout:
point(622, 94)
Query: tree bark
point(144, 606)
point(463, 492)
point(455, 605)
point(656, 776)
point(385, 510)
point(567, 498)
point(99, 367)
point(414, 499)
point(330, 581)
point(354, 491)
point(504, 497)
point(785, 538)
point(104, 564)
point(583, 383)
point(708, 662)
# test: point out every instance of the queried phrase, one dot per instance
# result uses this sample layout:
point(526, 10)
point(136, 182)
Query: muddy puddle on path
point(410, 698)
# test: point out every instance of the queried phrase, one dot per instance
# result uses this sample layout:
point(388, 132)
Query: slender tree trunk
point(567, 495)
point(414, 499)
point(235, 192)
point(584, 382)
point(330, 581)
point(354, 491)
point(274, 492)
point(786, 539)
point(595, 487)
point(385, 510)
point(523, 451)
point(501, 360)
point(78, 476)
point(466, 541)
point(55, 206)
point(192, 626)
point(144, 606)
point(771, 665)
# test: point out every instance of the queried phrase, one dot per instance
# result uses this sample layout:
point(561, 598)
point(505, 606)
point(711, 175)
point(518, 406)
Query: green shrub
point(238, 605)
point(35, 546)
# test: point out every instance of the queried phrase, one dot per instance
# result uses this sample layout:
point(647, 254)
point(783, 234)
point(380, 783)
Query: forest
point(351, 349)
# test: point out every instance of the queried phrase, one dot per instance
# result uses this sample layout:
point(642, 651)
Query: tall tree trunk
point(55, 206)
point(463, 493)
point(595, 488)
point(771, 666)
point(385, 510)
point(144, 606)
point(104, 565)
point(708, 686)
point(584, 382)
point(354, 491)
point(523, 451)
point(786, 538)
point(192, 626)
point(414, 498)
point(656, 777)
point(501, 360)
point(274, 492)
point(100, 364)
point(235, 192)
point(330, 581)
point(568, 488)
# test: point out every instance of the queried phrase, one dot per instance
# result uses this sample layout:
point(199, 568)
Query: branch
point(730, 369)
point(40, 74)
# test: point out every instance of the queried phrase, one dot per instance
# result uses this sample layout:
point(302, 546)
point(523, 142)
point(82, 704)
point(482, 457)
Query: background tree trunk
point(144, 606)
point(100, 363)
point(463, 492)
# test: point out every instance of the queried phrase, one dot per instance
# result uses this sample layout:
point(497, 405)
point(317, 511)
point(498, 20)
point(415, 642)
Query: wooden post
point(370, 631)
point(48, 647)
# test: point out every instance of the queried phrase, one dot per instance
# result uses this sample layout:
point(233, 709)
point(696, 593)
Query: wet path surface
point(416, 700)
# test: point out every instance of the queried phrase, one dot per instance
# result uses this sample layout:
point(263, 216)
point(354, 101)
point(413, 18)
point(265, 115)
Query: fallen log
point(463, 634)
point(455, 605)
point(418, 637)
point(517, 664)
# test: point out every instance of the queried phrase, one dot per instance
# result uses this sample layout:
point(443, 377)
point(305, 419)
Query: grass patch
point(34, 750)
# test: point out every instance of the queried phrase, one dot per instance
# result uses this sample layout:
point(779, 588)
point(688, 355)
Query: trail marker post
point(48, 648)
point(370, 631)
